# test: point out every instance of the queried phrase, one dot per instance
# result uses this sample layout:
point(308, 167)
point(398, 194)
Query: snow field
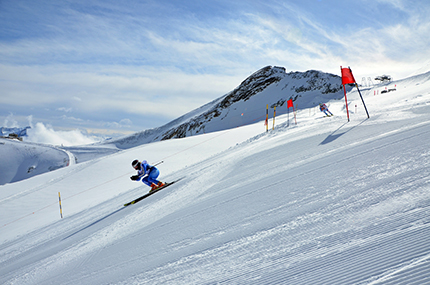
point(321, 202)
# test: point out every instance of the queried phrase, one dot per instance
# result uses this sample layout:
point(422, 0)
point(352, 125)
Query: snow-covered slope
point(320, 202)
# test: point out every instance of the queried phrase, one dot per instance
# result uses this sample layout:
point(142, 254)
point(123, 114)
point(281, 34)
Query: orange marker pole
point(59, 201)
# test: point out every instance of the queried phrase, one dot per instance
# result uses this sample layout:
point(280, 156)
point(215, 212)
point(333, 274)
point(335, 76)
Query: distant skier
point(324, 108)
point(147, 173)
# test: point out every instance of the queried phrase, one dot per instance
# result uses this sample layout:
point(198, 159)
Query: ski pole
point(158, 163)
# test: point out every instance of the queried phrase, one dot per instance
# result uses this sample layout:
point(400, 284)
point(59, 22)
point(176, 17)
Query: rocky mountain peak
point(254, 84)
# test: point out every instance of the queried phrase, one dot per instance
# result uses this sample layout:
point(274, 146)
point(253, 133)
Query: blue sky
point(109, 67)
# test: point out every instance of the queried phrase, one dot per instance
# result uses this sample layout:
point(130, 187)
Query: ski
point(150, 193)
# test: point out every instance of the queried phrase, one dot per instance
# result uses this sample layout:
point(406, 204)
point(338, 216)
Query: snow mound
point(21, 160)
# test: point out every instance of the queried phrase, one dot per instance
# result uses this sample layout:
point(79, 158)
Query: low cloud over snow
point(47, 135)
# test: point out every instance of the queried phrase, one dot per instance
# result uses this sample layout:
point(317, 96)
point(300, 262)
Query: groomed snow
point(321, 202)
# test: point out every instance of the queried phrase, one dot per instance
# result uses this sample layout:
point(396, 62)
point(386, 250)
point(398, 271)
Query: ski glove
point(134, 177)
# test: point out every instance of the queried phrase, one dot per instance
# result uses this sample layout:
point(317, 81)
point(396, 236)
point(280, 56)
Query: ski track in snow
point(323, 202)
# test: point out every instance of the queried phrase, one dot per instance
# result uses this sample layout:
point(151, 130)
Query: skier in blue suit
point(147, 173)
point(324, 108)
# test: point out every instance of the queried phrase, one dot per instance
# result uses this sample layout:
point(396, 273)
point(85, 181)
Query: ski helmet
point(135, 163)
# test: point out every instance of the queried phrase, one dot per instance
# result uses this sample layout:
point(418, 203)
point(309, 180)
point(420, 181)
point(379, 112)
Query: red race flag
point(347, 77)
point(290, 103)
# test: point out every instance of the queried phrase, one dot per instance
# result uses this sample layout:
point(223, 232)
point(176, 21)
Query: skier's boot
point(161, 184)
point(153, 187)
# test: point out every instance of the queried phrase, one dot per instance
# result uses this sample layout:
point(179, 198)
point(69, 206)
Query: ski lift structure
point(384, 78)
point(367, 83)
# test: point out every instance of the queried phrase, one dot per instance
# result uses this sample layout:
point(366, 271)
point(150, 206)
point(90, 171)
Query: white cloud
point(139, 90)
point(307, 42)
point(124, 123)
point(47, 135)
point(398, 4)
point(64, 109)
point(10, 122)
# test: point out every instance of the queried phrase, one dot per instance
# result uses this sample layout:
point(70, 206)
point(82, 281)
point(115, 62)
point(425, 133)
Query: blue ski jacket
point(145, 169)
